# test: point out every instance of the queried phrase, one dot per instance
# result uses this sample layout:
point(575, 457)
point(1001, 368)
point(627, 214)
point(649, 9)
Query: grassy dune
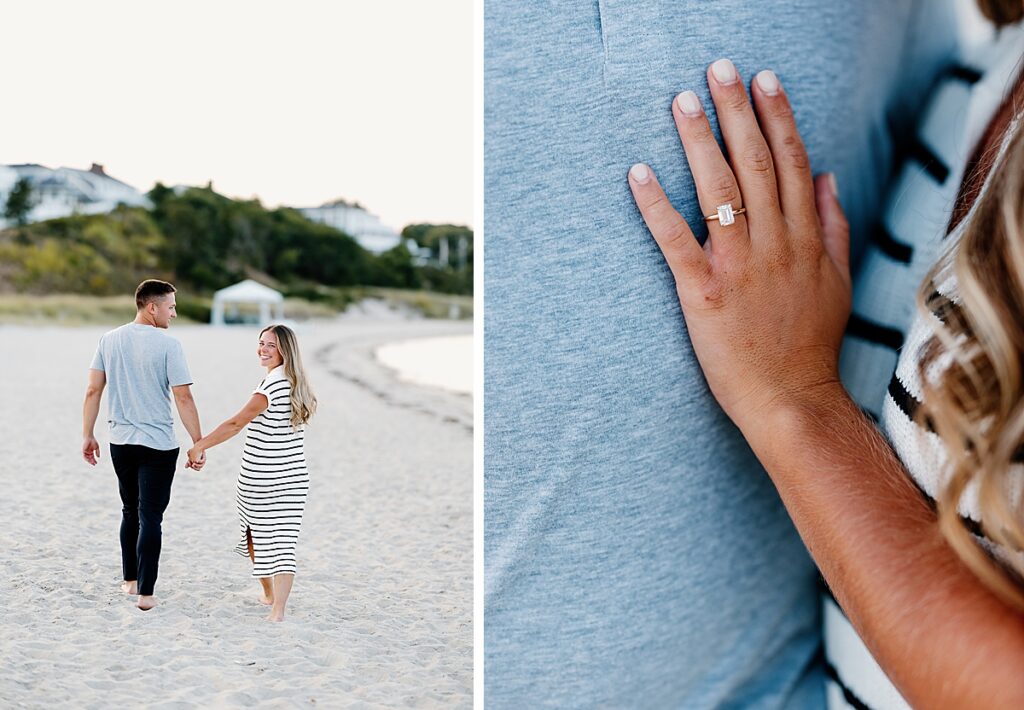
point(73, 309)
point(427, 303)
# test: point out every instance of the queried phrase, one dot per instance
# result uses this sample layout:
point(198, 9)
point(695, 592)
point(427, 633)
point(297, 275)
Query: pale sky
point(293, 102)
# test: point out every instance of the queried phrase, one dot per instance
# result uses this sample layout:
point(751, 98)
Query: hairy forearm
point(189, 417)
point(90, 412)
point(942, 637)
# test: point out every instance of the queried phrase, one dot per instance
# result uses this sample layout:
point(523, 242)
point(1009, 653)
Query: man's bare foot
point(131, 588)
point(146, 602)
point(276, 616)
point(264, 599)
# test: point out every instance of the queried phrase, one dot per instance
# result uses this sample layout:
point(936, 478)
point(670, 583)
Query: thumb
point(836, 230)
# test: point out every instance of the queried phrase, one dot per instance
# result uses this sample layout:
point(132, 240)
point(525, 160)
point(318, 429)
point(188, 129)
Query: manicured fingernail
point(768, 82)
point(688, 103)
point(832, 184)
point(724, 71)
point(640, 174)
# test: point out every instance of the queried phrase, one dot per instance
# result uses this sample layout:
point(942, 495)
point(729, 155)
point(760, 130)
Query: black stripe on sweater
point(908, 404)
point(890, 246)
point(941, 306)
point(859, 327)
point(966, 74)
point(848, 694)
point(933, 165)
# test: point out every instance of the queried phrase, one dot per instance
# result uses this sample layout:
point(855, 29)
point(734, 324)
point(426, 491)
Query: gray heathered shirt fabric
point(141, 363)
point(636, 554)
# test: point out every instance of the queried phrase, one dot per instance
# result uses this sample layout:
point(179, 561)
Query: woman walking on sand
point(273, 480)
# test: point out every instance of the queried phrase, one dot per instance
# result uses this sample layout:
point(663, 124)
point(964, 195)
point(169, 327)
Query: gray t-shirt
point(141, 363)
point(635, 552)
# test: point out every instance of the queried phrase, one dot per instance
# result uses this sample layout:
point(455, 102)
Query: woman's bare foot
point(281, 587)
point(267, 596)
point(146, 602)
point(130, 588)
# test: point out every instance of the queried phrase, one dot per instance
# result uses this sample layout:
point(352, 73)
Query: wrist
point(788, 417)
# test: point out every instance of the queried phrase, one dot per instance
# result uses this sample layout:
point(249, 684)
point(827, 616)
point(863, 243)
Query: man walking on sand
point(143, 366)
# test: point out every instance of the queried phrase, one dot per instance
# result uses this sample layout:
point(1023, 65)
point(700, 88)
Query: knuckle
point(656, 205)
point(674, 233)
point(721, 188)
point(809, 249)
point(708, 292)
point(758, 159)
point(653, 201)
point(778, 108)
point(796, 154)
point(702, 135)
point(780, 256)
point(735, 100)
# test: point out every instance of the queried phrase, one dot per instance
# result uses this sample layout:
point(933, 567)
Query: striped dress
point(881, 350)
point(273, 481)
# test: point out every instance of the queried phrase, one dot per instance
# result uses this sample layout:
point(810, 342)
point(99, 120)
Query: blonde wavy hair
point(303, 400)
point(972, 374)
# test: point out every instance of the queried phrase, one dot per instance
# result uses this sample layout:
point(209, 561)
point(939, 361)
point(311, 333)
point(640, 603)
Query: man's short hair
point(150, 290)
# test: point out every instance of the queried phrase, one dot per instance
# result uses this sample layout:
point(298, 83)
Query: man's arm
point(90, 412)
point(187, 411)
point(880, 550)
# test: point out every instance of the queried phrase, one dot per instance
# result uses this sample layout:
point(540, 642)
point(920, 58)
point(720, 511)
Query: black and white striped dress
point(273, 481)
point(881, 350)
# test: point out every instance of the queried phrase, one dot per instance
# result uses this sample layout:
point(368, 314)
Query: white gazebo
point(248, 292)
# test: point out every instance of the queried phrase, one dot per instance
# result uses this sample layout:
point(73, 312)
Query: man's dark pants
point(144, 477)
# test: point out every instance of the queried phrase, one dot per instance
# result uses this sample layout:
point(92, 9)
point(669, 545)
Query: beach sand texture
point(381, 611)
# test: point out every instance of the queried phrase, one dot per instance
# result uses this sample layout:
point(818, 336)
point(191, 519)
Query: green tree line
point(206, 241)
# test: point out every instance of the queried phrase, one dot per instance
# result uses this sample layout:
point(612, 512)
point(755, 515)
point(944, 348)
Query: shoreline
point(442, 362)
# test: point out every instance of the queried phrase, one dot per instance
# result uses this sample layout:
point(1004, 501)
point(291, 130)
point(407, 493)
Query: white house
point(364, 226)
point(234, 299)
point(65, 191)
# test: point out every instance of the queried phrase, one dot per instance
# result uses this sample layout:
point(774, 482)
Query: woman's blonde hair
point(972, 373)
point(302, 398)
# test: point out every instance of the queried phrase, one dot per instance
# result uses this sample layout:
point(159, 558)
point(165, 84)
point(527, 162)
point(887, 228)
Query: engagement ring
point(726, 215)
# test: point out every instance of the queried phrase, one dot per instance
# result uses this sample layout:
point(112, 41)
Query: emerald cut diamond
point(726, 215)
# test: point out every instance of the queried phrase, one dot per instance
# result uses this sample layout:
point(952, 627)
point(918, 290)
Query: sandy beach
point(381, 611)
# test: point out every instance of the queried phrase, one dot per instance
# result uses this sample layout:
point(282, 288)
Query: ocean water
point(445, 362)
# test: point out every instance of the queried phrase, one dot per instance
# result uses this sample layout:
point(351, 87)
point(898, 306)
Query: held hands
point(196, 458)
point(767, 298)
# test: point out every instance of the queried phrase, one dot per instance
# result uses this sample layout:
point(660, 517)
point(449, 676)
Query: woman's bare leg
point(282, 588)
point(267, 597)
